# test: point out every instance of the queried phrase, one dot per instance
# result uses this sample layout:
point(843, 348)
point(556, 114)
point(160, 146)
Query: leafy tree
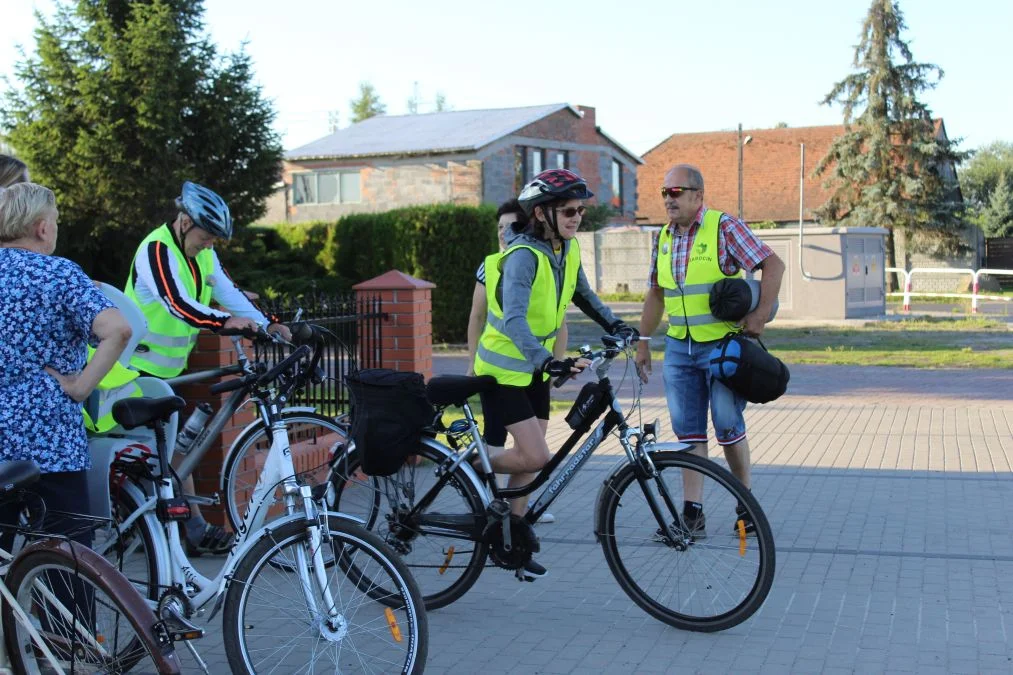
point(987, 183)
point(367, 105)
point(441, 102)
point(122, 102)
point(890, 169)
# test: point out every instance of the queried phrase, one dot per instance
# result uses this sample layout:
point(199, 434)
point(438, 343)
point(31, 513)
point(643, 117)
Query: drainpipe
point(801, 210)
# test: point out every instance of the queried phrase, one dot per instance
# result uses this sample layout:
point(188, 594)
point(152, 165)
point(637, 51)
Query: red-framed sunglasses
point(676, 192)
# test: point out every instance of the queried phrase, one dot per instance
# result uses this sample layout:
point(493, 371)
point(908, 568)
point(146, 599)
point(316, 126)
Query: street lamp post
point(740, 143)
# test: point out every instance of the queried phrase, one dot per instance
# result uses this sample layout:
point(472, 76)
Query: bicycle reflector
point(395, 630)
point(173, 509)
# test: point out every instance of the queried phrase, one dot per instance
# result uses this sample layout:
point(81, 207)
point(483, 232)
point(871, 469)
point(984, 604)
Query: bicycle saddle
point(17, 474)
point(456, 389)
point(138, 412)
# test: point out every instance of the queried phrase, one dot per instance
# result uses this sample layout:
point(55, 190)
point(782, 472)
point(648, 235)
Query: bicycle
point(339, 625)
point(247, 454)
point(65, 608)
point(446, 519)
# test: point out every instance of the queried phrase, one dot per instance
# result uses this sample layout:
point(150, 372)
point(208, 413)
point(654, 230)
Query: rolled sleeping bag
point(732, 299)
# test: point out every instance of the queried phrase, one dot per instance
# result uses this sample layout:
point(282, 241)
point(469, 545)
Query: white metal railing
point(973, 295)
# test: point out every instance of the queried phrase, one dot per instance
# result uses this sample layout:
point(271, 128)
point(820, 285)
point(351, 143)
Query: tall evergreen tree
point(891, 168)
point(367, 105)
point(123, 101)
point(987, 184)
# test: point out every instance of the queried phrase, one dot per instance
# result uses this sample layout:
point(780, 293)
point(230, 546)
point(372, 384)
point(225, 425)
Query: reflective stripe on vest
point(165, 349)
point(497, 355)
point(688, 306)
point(116, 385)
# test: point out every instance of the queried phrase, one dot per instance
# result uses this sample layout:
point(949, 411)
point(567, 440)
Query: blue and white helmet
point(206, 209)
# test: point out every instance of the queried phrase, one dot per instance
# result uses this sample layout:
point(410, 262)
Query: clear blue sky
point(650, 68)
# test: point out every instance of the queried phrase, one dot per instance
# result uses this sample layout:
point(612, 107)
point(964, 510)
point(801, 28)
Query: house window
point(562, 159)
point(326, 187)
point(537, 162)
point(617, 185)
point(520, 168)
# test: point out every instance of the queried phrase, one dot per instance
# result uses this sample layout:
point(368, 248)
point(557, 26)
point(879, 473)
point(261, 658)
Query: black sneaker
point(531, 571)
point(697, 528)
point(747, 521)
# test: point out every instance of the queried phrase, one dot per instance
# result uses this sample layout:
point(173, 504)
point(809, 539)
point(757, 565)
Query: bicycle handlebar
point(613, 346)
point(284, 365)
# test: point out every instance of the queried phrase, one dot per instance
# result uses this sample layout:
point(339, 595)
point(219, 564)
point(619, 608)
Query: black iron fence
point(355, 320)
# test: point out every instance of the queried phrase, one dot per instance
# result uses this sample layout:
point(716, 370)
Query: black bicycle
point(705, 573)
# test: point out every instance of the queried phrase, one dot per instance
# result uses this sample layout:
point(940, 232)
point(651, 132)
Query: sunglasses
point(676, 192)
point(571, 211)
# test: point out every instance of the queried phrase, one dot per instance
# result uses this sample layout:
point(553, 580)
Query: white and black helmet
point(206, 209)
point(552, 186)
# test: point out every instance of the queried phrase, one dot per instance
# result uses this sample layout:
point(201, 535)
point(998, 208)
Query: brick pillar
point(213, 351)
point(408, 328)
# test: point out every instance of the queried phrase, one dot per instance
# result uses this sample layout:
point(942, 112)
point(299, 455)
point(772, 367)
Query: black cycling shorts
point(505, 405)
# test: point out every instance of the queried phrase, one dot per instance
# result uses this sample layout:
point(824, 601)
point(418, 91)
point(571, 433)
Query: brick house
point(771, 169)
point(463, 157)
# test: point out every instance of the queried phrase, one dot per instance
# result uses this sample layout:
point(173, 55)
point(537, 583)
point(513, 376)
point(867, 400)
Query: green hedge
point(441, 243)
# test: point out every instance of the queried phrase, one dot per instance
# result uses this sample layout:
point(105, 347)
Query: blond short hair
point(21, 206)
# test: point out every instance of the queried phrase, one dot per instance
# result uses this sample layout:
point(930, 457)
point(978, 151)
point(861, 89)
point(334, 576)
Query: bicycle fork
point(314, 570)
point(645, 471)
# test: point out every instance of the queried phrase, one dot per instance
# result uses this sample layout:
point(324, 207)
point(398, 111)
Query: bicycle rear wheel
point(444, 566)
point(88, 615)
point(269, 627)
point(715, 574)
point(312, 437)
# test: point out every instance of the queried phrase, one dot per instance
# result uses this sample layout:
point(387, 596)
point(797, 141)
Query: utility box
point(837, 274)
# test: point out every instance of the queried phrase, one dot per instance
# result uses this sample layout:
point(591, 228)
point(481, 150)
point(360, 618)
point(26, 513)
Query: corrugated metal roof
point(453, 131)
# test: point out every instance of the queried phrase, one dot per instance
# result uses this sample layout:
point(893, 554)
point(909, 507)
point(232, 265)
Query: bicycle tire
point(256, 439)
point(709, 558)
point(379, 619)
point(44, 558)
point(372, 505)
point(143, 573)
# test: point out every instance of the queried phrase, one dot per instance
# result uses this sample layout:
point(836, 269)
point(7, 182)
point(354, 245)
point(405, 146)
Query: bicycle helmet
point(553, 185)
point(206, 209)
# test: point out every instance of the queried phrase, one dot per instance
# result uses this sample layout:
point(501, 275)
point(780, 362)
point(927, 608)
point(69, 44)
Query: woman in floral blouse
point(49, 309)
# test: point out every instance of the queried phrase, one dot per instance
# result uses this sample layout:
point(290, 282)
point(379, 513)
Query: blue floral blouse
point(47, 306)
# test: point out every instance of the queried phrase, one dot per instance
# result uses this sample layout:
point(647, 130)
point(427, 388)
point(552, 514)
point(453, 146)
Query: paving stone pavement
point(890, 497)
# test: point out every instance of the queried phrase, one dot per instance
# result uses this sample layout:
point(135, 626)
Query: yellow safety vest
point(497, 354)
point(164, 350)
point(688, 306)
point(116, 385)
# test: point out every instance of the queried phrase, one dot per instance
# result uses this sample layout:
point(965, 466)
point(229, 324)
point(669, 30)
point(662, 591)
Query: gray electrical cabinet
point(836, 273)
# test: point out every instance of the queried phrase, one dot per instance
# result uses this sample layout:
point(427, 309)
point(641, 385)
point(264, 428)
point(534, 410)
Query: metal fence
point(357, 322)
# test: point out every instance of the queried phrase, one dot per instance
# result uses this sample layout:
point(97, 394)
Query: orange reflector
point(392, 622)
point(101, 639)
point(446, 563)
point(741, 524)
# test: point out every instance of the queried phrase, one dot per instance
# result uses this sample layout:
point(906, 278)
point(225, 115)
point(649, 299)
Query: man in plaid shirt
point(685, 262)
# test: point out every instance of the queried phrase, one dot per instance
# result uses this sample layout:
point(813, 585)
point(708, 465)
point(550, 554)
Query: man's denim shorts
point(689, 388)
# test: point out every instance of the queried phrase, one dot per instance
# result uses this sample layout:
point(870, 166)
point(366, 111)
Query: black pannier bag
point(389, 412)
point(746, 367)
point(590, 404)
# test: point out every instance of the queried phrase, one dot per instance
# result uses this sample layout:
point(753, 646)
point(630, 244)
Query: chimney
point(588, 125)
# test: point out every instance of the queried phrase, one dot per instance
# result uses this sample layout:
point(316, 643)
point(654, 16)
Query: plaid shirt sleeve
point(744, 247)
point(652, 274)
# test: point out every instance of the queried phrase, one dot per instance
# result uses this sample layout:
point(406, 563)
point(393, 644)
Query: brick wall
point(407, 330)
point(390, 184)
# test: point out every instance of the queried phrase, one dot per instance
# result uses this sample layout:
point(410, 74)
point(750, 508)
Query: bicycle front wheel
point(277, 618)
point(87, 615)
point(312, 437)
point(716, 571)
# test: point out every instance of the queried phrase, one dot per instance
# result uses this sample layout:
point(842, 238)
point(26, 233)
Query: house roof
point(771, 164)
point(442, 132)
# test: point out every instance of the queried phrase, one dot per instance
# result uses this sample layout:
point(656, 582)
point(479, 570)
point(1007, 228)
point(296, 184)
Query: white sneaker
point(546, 516)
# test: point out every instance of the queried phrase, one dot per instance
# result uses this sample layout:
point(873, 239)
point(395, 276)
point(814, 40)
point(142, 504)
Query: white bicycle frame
point(180, 572)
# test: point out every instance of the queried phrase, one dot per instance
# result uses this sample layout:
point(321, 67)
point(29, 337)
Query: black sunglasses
point(571, 211)
point(676, 192)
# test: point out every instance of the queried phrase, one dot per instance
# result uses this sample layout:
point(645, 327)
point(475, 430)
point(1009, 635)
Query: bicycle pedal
point(521, 576)
point(203, 501)
point(180, 630)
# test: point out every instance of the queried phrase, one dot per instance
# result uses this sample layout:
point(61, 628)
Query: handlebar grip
point(229, 385)
point(562, 379)
point(292, 358)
